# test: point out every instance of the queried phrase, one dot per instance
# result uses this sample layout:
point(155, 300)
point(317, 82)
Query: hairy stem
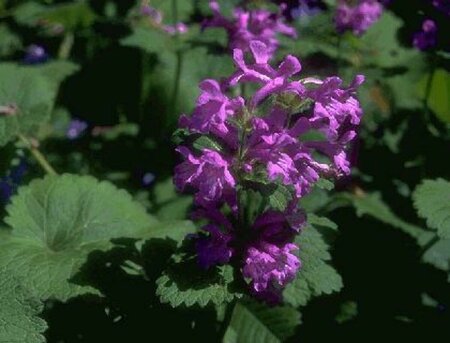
point(40, 158)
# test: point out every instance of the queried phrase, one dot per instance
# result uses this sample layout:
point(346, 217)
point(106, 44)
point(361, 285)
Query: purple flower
point(147, 179)
point(247, 26)
point(213, 110)
point(266, 137)
point(35, 54)
point(427, 38)
point(209, 174)
point(148, 11)
point(214, 249)
point(442, 5)
point(76, 129)
point(294, 9)
point(270, 268)
point(179, 28)
point(358, 18)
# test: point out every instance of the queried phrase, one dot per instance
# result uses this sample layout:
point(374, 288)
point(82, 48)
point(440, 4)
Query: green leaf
point(28, 13)
point(348, 311)
point(278, 196)
point(148, 39)
point(256, 322)
point(316, 276)
point(57, 222)
point(438, 99)
point(381, 47)
point(9, 41)
point(168, 205)
point(19, 310)
point(205, 142)
point(325, 184)
point(30, 94)
point(438, 255)
point(185, 283)
point(73, 16)
point(432, 201)
point(184, 10)
point(373, 205)
point(321, 221)
point(55, 71)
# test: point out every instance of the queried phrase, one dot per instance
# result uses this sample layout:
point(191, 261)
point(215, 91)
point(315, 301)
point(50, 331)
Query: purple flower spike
point(35, 54)
point(427, 38)
point(359, 18)
point(247, 26)
point(263, 140)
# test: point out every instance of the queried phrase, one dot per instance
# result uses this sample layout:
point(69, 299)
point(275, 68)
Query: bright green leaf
point(439, 97)
point(184, 283)
point(316, 277)
point(58, 221)
point(372, 204)
point(438, 255)
point(432, 201)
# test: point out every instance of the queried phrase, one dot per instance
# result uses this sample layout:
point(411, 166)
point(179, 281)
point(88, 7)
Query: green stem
point(144, 86)
point(227, 318)
point(428, 90)
point(38, 156)
point(175, 11)
point(176, 84)
point(339, 54)
point(66, 46)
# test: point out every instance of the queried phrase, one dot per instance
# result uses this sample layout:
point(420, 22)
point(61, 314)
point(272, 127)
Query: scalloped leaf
point(373, 205)
point(432, 201)
point(184, 283)
point(438, 255)
point(19, 310)
point(56, 222)
point(316, 277)
point(256, 322)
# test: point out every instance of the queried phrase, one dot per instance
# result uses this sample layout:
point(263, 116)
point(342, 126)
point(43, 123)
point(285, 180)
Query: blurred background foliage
point(130, 82)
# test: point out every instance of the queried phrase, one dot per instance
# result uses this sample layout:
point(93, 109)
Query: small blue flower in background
point(75, 129)
point(10, 182)
point(35, 54)
point(147, 179)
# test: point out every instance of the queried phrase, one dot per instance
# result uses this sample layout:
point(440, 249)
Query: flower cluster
point(249, 25)
point(289, 133)
point(358, 18)
point(426, 38)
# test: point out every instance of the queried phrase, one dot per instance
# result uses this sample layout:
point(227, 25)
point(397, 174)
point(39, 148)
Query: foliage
point(101, 248)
